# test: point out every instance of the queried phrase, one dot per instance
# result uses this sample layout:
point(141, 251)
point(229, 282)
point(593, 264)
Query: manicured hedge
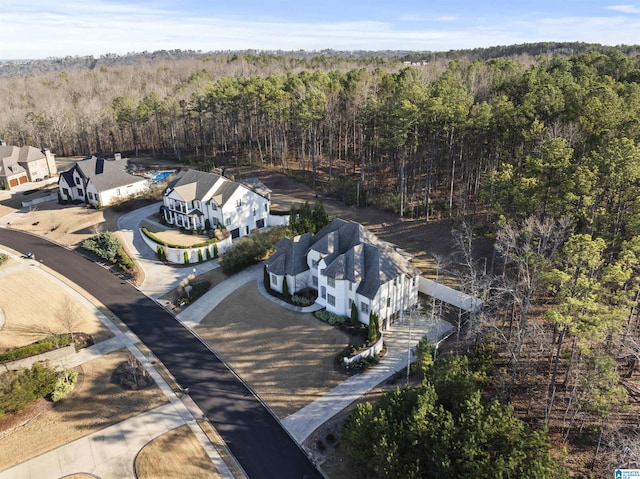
point(44, 345)
point(153, 237)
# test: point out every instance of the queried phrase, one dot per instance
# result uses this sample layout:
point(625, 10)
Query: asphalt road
point(254, 436)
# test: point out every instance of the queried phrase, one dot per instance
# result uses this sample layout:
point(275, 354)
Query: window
point(364, 307)
point(350, 286)
point(331, 282)
point(80, 192)
point(314, 281)
point(254, 212)
point(323, 292)
point(274, 280)
point(238, 203)
point(246, 230)
point(227, 221)
point(77, 180)
point(314, 264)
point(331, 300)
point(214, 207)
point(90, 195)
point(266, 208)
point(389, 302)
point(65, 192)
point(350, 303)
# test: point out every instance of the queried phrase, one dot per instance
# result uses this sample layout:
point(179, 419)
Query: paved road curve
point(255, 437)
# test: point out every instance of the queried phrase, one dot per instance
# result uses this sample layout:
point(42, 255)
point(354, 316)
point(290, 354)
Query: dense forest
point(540, 152)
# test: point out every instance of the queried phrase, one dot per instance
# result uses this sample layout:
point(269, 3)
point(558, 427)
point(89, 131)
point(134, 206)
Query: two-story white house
point(100, 182)
point(196, 199)
point(347, 265)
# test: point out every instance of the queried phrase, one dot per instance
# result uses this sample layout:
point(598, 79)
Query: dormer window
point(77, 180)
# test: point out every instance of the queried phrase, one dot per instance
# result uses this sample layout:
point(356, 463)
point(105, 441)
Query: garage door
point(13, 182)
point(260, 223)
point(235, 233)
point(23, 179)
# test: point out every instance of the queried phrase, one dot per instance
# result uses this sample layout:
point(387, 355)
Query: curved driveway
point(253, 434)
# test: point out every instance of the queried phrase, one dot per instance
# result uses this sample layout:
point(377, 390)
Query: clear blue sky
point(46, 28)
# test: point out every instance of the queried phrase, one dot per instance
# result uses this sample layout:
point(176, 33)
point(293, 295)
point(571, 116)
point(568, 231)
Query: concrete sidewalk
point(159, 277)
point(400, 339)
point(110, 453)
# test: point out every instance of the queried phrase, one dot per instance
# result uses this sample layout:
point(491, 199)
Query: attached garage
point(23, 179)
point(235, 233)
point(13, 182)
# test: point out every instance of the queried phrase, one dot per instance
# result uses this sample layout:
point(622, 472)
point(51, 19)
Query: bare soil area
point(95, 404)
point(287, 357)
point(176, 454)
point(66, 224)
point(430, 242)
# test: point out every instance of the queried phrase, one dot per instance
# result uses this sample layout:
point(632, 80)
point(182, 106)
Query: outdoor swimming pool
point(162, 175)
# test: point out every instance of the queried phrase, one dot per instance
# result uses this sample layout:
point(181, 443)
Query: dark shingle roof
point(290, 257)
point(355, 254)
point(104, 174)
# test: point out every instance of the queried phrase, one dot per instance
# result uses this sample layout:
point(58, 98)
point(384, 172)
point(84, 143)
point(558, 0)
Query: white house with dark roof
point(20, 165)
point(100, 182)
point(347, 265)
point(196, 199)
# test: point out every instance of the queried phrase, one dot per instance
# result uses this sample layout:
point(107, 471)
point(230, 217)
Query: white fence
point(277, 220)
point(43, 199)
point(449, 295)
point(371, 351)
point(177, 255)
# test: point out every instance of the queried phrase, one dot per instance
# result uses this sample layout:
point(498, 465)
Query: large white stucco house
point(100, 182)
point(196, 199)
point(347, 265)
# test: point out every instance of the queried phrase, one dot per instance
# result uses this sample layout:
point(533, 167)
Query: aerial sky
point(33, 29)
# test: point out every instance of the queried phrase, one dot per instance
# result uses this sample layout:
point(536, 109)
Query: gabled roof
point(9, 167)
point(199, 185)
point(291, 256)
point(9, 152)
point(353, 253)
point(104, 174)
point(23, 154)
point(29, 153)
point(350, 253)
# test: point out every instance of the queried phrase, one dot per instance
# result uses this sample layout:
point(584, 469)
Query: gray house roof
point(104, 174)
point(356, 254)
point(290, 257)
point(350, 252)
point(194, 185)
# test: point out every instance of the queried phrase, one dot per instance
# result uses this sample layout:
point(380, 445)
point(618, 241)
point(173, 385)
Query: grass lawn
point(36, 307)
point(94, 404)
point(176, 454)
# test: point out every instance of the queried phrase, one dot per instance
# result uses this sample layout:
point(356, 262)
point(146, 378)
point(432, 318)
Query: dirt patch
point(48, 310)
point(287, 357)
point(94, 404)
point(175, 454)
point(66, 224)
point(429, 242)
